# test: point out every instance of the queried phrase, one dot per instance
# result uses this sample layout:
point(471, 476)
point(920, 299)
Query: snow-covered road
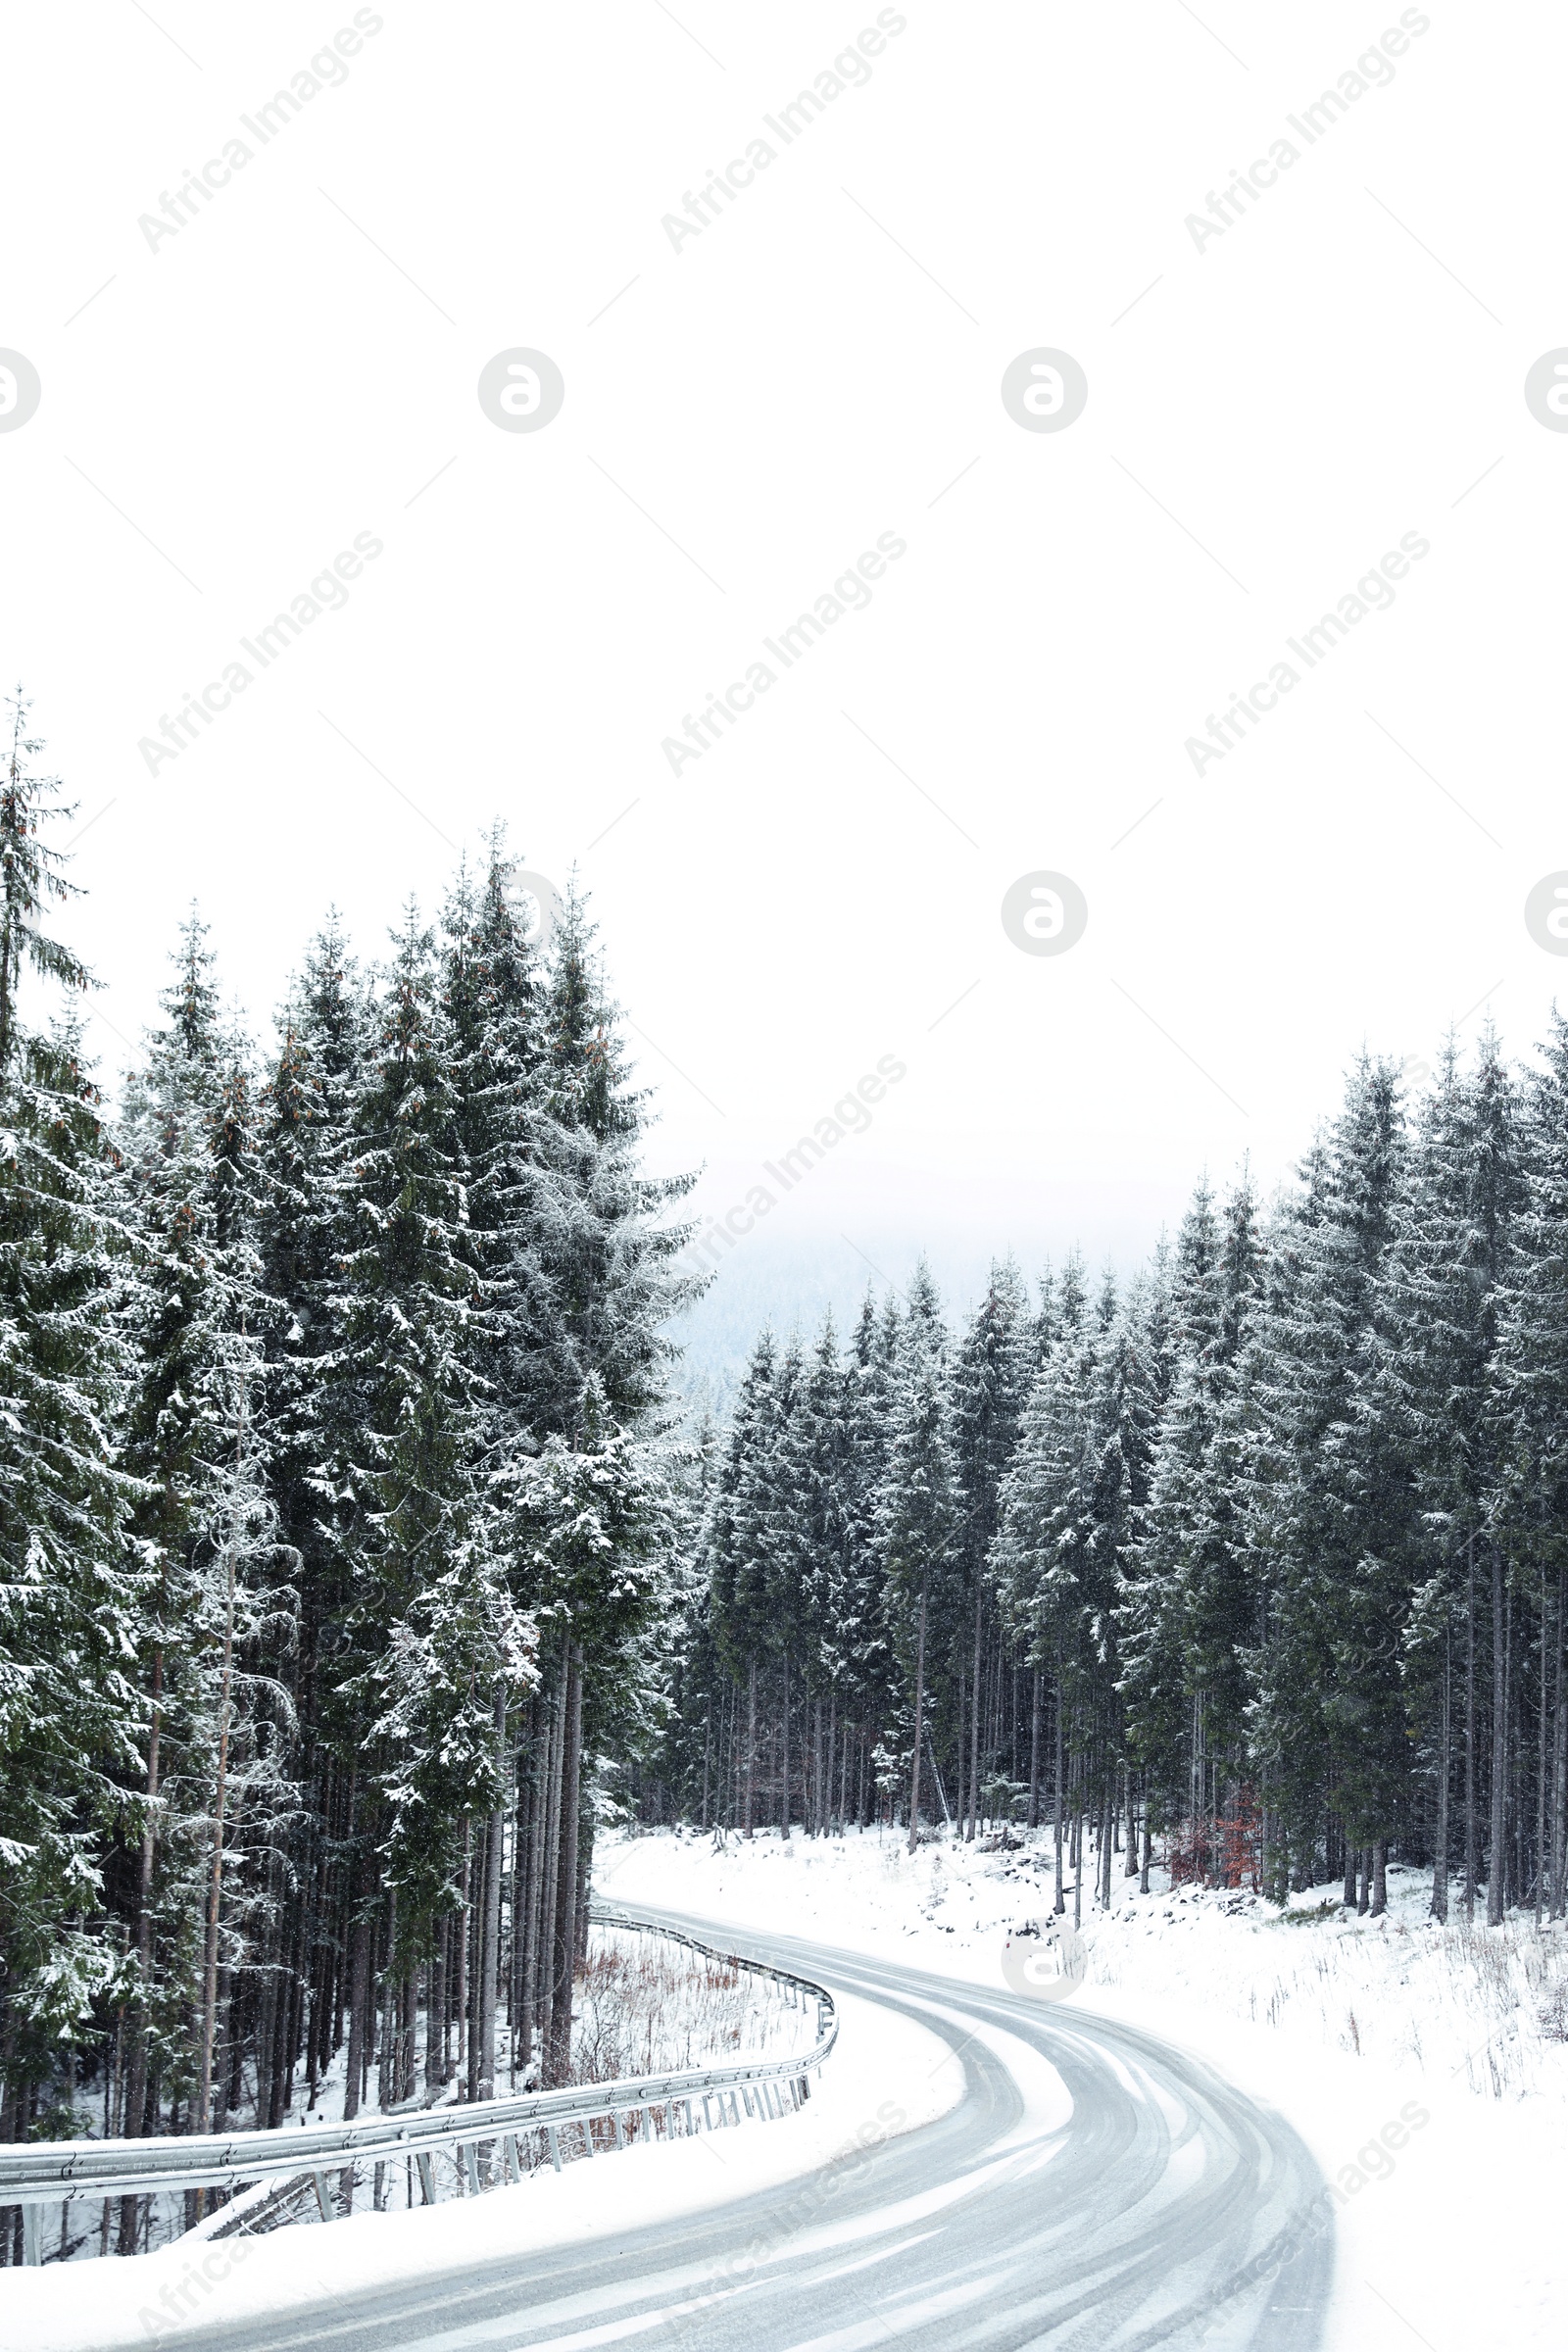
point(1090, 2187)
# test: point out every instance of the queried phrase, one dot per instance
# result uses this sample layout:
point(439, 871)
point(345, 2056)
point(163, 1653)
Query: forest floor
point(1338, 2022)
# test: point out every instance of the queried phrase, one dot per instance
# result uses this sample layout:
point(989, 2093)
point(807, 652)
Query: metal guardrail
point(47, 2170)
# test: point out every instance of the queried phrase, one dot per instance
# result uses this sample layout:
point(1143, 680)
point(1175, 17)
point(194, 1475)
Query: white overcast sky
point(1267, 416)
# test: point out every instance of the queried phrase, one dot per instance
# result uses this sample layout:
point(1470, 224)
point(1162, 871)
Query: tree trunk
point(1559, 1781)
point(538, 1803)
point(1440, 1861)
point(751, 1751)
point(1060, 1903)
point(492, 1916)
point(1541, 1766)
point(974, 1719)
point(566, 1904)
point(435, 2017)
point(919, 1719)
point(1081, 1856)
point(1472, 1856)
point(390, 2018)
point(550, 1863)
point(465, 1916)
point(1497, 1859)
point(204, 2095)
point(832, 1750)
point(136, 2092)
point(1034, 1751)
point(585, 1865)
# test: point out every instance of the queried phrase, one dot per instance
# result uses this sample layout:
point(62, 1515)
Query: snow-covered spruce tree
point(593, 1283)
point(606, 1259)
point(783, 1541)
point(1152, 1611)
point(304, 1145)
point(689, 1781)
point(1187, 1615)
point(187, 1192)
point(919, 1515)
point(1332, 1505)
point(759, 1544)
point(70, 1600)
point(1066, 1526)
point(1527, 1432)
point(244, 1621)
point(1132, 1379)
point(1436, 1327)
point(989, 1380)
point(494, 990)
point(820, 1442)
point(233, 1783)
point(408, 1488)
point(866, 1650)
point(735, 1548)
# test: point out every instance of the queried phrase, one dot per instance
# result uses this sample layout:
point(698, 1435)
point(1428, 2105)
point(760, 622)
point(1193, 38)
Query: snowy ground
point(91, 2306)
point(1454, 2240)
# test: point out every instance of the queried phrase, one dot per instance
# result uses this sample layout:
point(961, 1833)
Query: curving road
point(1167, 2210)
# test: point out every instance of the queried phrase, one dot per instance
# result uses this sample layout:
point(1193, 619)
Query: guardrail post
point(621, 2129)
point(427, 2177)
point(471, 2167)
point(31, 2236)
point(510, 2166)
point(554, 2137)
point(322, 2205)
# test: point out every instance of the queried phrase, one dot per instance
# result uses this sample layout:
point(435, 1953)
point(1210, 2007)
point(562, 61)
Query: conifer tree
point(918, 1508)
point(68, 1580)
point(989, 1384)
point(187, 1186)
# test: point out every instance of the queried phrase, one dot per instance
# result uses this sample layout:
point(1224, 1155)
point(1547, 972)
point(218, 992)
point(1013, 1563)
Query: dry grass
point(1486, 2006)
point(648, 2005)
